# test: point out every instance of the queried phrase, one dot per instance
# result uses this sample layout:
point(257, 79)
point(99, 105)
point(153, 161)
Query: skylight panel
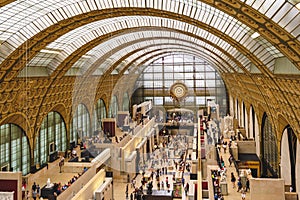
point(164, 5)
point(231, 30)
point(250, 2)
point(205, 16)
point(118, 25)
point(69, 12)
point(43, 23)
point(267, 58)
point(239, 36)
point(274, 8)
point(51, 20)
point(180, 9)
point(265, 6)
point(224, 24)
point(57, 15)
point(193, 11)
point(76, 9)
point(103, 4)
point(110, 4)
point(99, 4)
point(282, 12)
point(92, 4)
point(63, 13)
point(176, 7)
point(225, 45)
point(187, 10)
point(142, 4)
point(293, 24)
point(257, 4)
point(213, 22)
point(84, 6)
point(79, 42)
point(296, 32)
point(289, 16)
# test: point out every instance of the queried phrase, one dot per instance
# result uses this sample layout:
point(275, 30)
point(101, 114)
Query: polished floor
point(120, 184)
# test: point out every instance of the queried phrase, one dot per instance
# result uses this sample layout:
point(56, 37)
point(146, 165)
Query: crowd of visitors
point(165, 166)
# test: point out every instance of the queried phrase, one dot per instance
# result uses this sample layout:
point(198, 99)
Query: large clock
point(178, 91)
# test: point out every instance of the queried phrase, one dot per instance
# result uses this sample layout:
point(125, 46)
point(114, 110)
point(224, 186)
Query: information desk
point(46, 192)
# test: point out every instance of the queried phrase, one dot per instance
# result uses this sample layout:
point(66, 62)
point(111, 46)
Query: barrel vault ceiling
point(57, 38)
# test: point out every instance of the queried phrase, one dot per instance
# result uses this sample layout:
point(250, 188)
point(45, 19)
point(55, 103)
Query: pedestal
point(224, 188)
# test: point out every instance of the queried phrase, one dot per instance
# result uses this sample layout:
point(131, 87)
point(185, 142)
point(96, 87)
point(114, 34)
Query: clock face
point(178, 91)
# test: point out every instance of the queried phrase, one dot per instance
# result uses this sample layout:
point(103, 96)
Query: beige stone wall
point(265, 188)
point(246, 147)
point(285, 164)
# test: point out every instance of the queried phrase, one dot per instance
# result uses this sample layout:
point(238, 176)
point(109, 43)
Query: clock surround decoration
point(178, 91)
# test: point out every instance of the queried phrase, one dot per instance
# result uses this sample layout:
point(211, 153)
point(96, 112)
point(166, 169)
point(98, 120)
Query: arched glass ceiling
point(78, 37)
point(114, 57)
point(283, 12)
point(32, 16)
point(70, 42)
point(139, 57)
point(26, 26)
point(140, 62)
point(172, 44)
point(108, 46)
point(144, 60)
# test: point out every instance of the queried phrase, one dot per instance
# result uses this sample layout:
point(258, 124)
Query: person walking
point(33, 186)
point(38, 190)
point(27, 196)
point(239, 184)
point(186, 189)
point(230, 159)
point(131, 196)
point(243, 195)
point(34, 194)
point(233, 180)
point(247, 185)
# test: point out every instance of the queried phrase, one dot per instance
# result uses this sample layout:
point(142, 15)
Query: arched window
point(113, 108)
point(99, 114)
point(14, 149)
point(81, 124)
point(51, 139)
point(269, 150)
point(199, 83)
point(125, 106)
